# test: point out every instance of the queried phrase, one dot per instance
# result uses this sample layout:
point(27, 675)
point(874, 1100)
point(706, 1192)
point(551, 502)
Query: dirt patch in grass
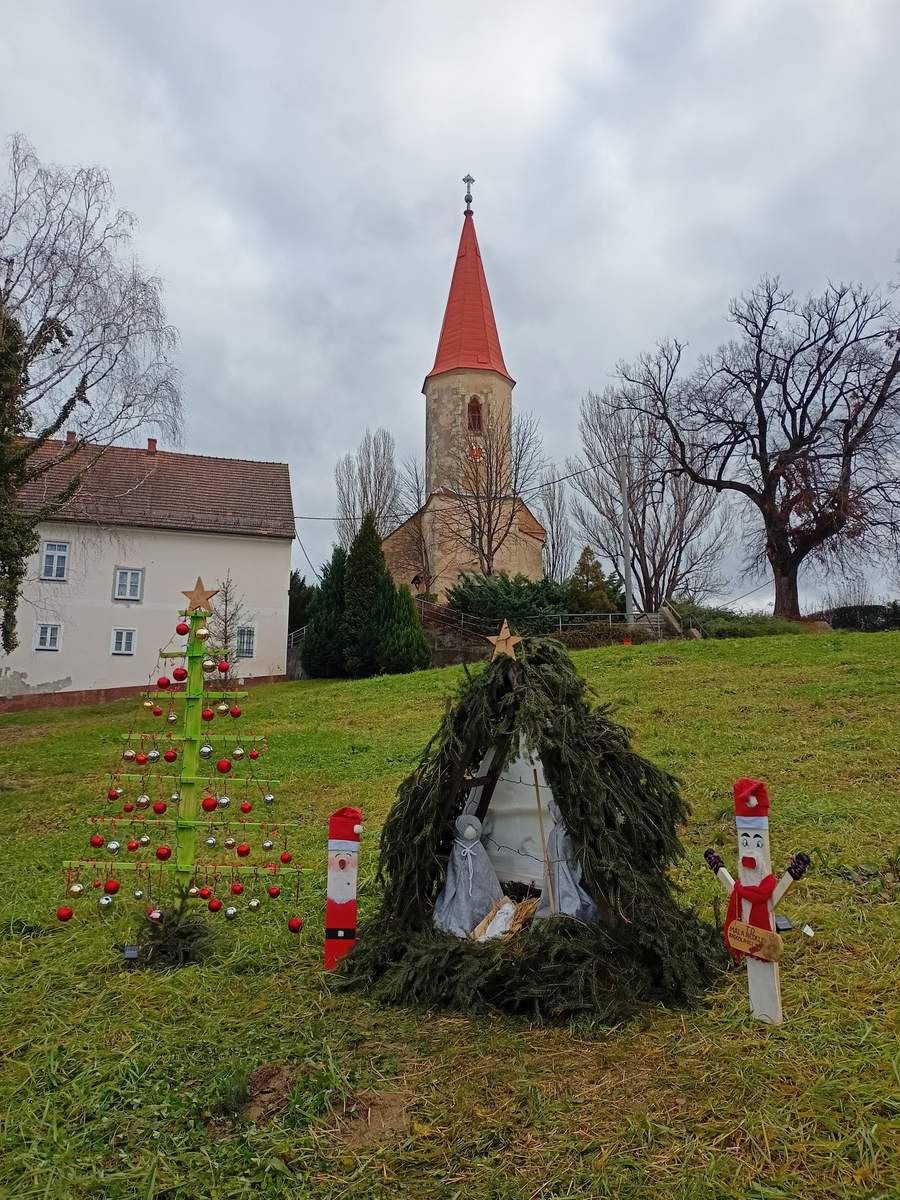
point(370, 1119)
point(269, 1089)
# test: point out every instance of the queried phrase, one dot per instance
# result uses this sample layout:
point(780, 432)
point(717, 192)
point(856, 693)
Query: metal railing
point(541, 623)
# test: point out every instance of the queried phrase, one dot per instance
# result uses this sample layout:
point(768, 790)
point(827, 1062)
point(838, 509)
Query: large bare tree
point(798, 416)
point(559, 548)
point(490, 475)
point(678, 528)
point(367, 481)
point(84, 345)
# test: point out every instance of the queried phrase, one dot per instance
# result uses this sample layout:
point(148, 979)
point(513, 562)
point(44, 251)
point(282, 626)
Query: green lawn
point(133, 1085)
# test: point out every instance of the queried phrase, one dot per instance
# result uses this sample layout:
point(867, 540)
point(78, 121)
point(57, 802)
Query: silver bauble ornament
point(237, 753)
point(201, 633)
point(128, 755)
point(175, 797)
point(268, 844)
point(172, 718)
point(138, 893)
point(76, 889)
point(112, 847)
point(193, 890)
point(229, 843)
point(154, 915)
point(268, 798)
point(230, 912)
point(211, 841)
point(153, 756)
point(206, 750)
point(209, 664)
point(253, 904)
point(224, 801)
point(144, 839)
point(222, 707)
point(105, 901)
point(143, 801)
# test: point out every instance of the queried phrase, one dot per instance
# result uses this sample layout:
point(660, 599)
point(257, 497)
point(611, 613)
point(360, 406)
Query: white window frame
point(60, 551)
point(128, 572)
point(123, 653)
point(238, 652)
point(36, 643)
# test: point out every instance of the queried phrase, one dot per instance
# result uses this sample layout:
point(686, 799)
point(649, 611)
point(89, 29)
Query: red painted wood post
point(344, 829)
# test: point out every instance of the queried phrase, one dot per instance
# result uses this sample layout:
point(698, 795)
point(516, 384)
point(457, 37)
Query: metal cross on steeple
point(468, 181)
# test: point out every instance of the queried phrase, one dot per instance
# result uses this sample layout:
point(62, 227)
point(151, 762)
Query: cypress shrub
point(404, 646)
point(364, 592)
point(323, 646)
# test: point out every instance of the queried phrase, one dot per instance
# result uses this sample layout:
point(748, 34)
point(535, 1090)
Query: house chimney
point(70, 437)
point(151, 445)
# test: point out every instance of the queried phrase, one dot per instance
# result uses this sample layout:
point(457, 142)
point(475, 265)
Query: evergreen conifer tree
point(586, 587)
point(323, 646)
point(404, 646)
point(362, 590)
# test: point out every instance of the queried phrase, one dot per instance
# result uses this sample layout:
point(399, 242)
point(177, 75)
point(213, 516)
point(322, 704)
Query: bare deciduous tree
point(799, 416)
point(367, 481)
point(554, 510)
point(491, 474)
point(84, 342)
point(678, 528)
point(229, 615)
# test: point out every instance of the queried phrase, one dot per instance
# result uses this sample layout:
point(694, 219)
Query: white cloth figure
point(471, 888)
point(568, 896)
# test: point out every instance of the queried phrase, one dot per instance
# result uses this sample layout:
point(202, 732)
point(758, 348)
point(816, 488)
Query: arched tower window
point(474, 413)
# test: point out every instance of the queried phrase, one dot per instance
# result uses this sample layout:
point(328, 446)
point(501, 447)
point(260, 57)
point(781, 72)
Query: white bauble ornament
point(105, 902)
point(113, 847)
point(268, 844)
point(144, 839)
point(206, 750)
point(172, 718)
point(138, 893)
point(143, 801)
point(224, 801)
point(253, 904)
point(153, 756)
point(202, 633)
point(268, 798)
point(128, 755)
point(229, 843)
point(230, 912)
point(76, 889)
point(209, 664)
point(222, 707)
point(237, 753)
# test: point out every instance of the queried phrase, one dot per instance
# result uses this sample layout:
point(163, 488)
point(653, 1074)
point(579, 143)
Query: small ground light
point(131, 954)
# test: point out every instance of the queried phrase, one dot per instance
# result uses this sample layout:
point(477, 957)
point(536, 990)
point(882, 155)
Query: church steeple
point(469, 338)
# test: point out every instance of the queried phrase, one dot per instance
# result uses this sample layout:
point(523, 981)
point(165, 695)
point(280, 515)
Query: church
point(470, 520)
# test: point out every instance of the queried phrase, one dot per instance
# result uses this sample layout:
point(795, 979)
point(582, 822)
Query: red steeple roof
point(469, 335)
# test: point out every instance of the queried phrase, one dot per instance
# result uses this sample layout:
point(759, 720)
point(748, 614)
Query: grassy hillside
point(135, 1085)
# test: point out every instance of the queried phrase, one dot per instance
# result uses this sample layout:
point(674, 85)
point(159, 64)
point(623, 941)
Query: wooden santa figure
point(344, 828)
point(750, 922)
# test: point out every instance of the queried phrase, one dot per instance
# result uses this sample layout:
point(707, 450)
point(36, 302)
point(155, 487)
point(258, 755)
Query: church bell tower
point(469, 389)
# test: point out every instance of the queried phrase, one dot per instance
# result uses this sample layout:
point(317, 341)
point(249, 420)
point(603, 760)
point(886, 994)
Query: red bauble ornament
point(182, 628)
point(215, 904)
point(274, 890)
point(295, 924)
point(207, 714)
point(170, 755)
point(65, 913)
point(112, 794)
point(96, 841)
point(208, 804)
point(163, 852)
point(160, 807)
point(235, 710)
point(286, 856)
point(157, 711)
point(133, 845)
point(129, 807)
point(237, 889)
point(111, 886)
point(205, 893)
point(254, 754)
point(96, 883)
point(222, 667)
point(179, 674)
point(246, 806)
point(223, 766)
point(163, 682)
point(140, 760)
point(243, 850)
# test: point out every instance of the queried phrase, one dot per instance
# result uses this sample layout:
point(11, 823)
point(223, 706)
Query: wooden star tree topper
point(504, 643)
point(200, 596)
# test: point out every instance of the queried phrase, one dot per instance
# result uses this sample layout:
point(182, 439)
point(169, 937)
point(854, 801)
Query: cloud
point(296, 172)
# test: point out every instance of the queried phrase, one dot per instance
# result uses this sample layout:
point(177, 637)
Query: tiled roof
point(164, 490)
point(469, 335)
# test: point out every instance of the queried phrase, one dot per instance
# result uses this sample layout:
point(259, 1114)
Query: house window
point(474, 415)
point(55, 561)
point(129, 584)
point(123, 641)
point(246, 636)
point(47, 637)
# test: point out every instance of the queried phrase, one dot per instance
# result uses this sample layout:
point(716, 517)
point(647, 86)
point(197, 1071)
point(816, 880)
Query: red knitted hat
point(750, 798)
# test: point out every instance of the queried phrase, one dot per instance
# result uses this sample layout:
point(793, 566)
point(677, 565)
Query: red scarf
point(759, 896)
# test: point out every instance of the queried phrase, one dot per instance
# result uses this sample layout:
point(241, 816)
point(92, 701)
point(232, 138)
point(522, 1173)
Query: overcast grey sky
point(296, 172)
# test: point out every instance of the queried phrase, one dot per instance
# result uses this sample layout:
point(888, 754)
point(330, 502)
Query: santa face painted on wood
point(754, 859)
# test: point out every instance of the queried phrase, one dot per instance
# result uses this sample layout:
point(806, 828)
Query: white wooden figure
point(753, 897)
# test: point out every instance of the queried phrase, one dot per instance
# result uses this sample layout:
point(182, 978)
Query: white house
point(105, 586)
